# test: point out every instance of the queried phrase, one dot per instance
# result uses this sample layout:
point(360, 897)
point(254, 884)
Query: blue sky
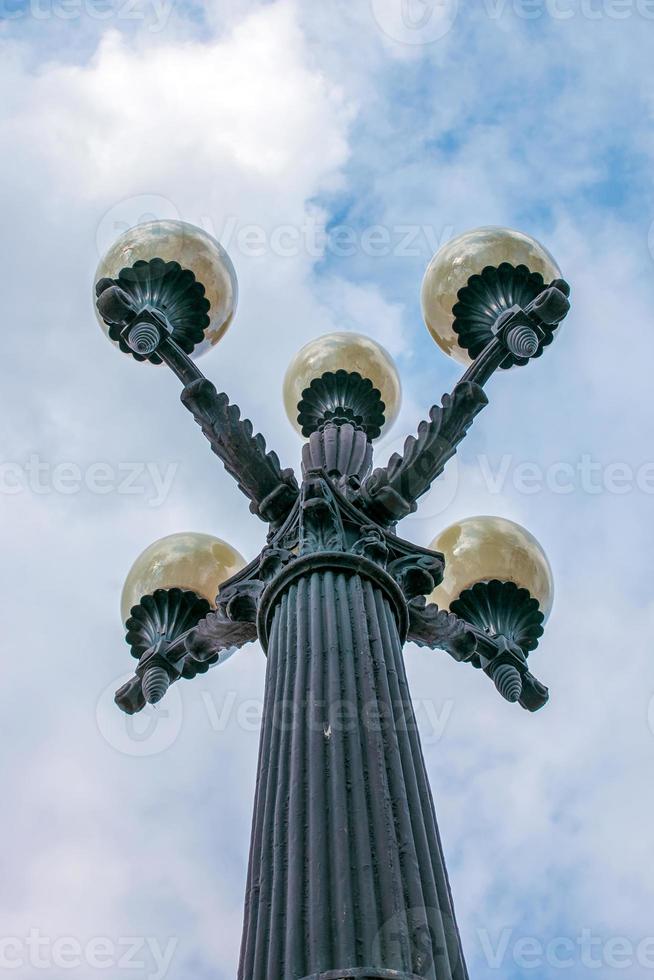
point(314, 121)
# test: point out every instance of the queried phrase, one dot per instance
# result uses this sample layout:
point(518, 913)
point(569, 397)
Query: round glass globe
point(199, 562)
point(467, 255)
point(480, 549)
point(348, 352)
point(194, 249)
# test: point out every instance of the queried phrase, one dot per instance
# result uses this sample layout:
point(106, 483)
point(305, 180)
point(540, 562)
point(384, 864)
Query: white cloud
point(248, 105)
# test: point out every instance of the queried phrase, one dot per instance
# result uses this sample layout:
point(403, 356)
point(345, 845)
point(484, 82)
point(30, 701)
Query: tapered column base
point(347, 877)
point(363, 973)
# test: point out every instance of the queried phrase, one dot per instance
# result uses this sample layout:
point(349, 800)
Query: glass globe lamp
point(197, 562)
point(486, 549)
point(343, 352)
point(178, 269)
point(509, 267)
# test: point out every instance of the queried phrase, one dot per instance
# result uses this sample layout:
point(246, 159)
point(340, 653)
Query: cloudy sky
point(292, 131)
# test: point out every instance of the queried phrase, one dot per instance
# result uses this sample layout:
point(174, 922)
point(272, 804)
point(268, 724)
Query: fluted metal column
point(346, 877)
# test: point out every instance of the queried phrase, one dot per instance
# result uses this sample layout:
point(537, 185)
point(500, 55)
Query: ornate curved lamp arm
point(178, 651)
point(391, 492)
point(146, 333)
point(271, 489)
point(500, 658)
point(437, 628)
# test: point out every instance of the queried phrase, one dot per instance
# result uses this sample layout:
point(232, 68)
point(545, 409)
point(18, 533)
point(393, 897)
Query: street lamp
point(346, 874)
point(171, 586)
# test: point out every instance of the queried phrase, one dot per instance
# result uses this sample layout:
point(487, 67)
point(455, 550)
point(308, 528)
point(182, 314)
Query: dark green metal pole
point(347, 876)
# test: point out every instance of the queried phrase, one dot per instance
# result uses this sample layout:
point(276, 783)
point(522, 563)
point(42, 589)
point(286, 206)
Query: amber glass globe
point(480, 549)
point(347, 352)
point(188, 560)
point(194, 249)
point(465, 256)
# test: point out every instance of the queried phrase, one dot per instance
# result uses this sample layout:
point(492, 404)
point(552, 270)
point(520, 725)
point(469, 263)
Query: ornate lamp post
point(347, 877)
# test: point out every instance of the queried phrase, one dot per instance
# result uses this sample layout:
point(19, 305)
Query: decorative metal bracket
point(498, 291)
point(149, 297)
point(271, 489)
point(519, 334)
point(468, 637)
point(391, 493)
point(432, 627)
point(341, 397)
point(502, 609)
point(173, 634)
